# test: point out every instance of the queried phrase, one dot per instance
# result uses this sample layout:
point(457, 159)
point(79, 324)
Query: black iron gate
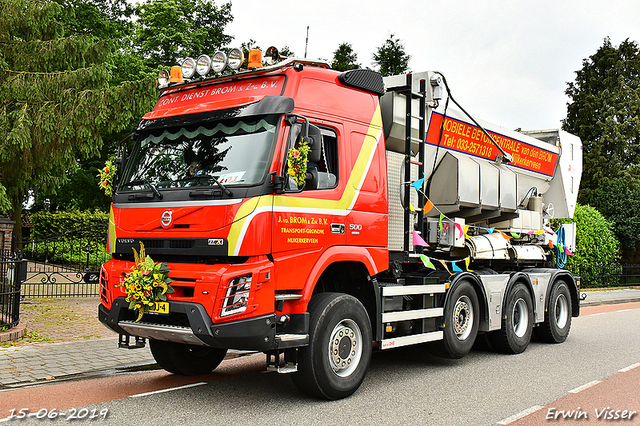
point(12, 273)
point(66, 265)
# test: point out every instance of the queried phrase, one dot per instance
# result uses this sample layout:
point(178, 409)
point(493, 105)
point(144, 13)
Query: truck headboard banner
point(460, 136)
point(257, 86)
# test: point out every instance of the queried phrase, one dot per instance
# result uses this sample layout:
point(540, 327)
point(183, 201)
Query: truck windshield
point(232, 152)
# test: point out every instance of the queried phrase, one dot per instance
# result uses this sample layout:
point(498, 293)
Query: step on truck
point(413, 223)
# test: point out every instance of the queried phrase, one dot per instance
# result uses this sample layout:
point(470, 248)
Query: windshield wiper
point(152, 186)
point(214, 179)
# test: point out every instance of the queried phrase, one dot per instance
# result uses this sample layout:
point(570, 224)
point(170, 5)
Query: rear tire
point(557, 321)
point(186, 360)
point(461, 321)
point(517, 322)
point(340, 343)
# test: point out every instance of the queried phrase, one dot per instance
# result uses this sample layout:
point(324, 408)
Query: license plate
point(160, 308)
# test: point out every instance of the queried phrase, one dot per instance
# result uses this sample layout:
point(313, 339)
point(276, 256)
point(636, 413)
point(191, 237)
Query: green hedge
point(47, 225)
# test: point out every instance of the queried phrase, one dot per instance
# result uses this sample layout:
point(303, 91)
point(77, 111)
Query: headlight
point(237, 297)
point(236, 58)
point(188, 68)
point(219, 62)
point(163, 79)
point(203, 65)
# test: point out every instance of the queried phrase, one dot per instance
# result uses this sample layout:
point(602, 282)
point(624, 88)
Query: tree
point(595, 239)
point(57, 99)
point(618, 200)
point(604, 111)
point(170, 30)
point(115, 21)
point(344, 58)
point(390, 58)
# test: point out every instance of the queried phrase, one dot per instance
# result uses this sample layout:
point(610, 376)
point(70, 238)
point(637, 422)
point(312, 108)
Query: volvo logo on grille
point(166, 218)
point(126, 240)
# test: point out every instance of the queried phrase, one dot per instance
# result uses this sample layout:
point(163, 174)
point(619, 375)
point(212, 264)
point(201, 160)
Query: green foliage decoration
point(107, 174)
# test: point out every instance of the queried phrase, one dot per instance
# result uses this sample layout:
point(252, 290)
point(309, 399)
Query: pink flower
point(296, 154)
point(146, 272)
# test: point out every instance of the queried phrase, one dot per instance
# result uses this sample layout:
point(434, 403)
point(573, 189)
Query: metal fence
point(608, 275)
point(65, 265)
point(12, 272)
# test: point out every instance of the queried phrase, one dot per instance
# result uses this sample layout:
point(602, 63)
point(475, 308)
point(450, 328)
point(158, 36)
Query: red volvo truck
point(415, 223)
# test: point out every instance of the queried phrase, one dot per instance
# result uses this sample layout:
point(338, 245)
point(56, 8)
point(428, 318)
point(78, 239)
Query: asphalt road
point(405, 386)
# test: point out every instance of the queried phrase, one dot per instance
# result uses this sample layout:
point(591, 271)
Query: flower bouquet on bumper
point(147, 284)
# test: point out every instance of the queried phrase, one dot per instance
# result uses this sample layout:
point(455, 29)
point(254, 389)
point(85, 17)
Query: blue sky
point(506, 62)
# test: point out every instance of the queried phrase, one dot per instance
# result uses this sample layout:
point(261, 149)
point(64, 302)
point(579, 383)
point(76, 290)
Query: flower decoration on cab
point(297, 162)
point(107, 175)
point(146, 284)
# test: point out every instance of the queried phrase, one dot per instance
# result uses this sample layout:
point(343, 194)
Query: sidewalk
point(49, 361)
point(21, 366)
point(609, 297)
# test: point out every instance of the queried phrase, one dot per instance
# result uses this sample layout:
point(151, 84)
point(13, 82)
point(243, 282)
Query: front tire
point(461, 321)
point(186, 360)
point(517, 322)
point(557, 322)
point(335, 363)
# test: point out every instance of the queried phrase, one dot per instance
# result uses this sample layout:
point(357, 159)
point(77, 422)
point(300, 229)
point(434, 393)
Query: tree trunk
point(16, 216)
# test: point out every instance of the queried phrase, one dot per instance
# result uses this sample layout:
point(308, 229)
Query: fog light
point(237, 298)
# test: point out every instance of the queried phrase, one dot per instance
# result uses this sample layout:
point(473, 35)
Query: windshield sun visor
point(269, 104)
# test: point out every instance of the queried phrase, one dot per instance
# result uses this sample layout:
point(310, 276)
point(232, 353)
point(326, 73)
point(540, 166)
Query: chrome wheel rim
point(561, 311)
point(345, 347)
point(463, 318)
point(520, 317)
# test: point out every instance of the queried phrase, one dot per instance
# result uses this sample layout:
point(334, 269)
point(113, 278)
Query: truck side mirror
point(314, 138)
point(278, 183)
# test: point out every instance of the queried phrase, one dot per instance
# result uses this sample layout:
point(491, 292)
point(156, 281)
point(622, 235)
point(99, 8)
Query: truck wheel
point(517, 322)
point(461, 320)
point(340, 343)
point(557, 322)
point(186, 360)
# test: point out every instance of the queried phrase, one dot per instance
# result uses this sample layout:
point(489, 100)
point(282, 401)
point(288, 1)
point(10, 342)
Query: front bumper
point(189, 323)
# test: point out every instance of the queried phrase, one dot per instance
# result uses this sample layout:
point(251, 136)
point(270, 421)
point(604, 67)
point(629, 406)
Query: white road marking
point(168, 390)
point(520, 415)
point(583, 387)
point(631, 367)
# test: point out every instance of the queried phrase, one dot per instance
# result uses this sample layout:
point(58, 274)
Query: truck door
point(309, 219)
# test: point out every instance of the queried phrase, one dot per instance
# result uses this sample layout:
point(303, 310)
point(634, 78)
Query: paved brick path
point(48, 361)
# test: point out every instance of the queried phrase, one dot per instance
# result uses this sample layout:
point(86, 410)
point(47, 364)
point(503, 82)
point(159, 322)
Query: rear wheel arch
point(520, 278)
point(570, 281)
